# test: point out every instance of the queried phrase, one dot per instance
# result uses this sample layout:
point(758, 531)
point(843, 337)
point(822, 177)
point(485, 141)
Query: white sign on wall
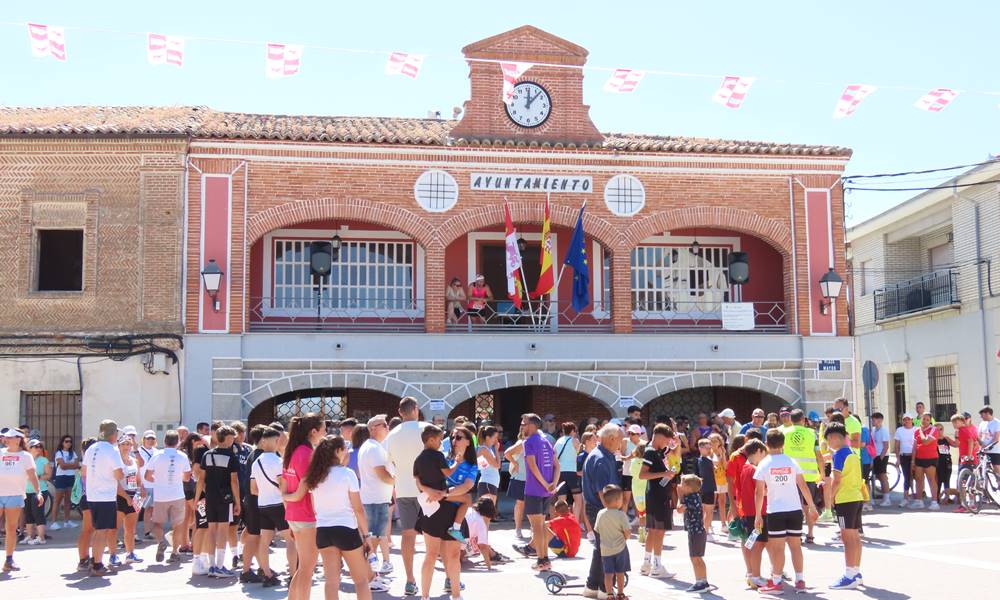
point(737, 316)
point(525, 182)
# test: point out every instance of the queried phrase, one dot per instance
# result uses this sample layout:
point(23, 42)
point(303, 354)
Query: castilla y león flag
point(513, 259)
point(546, 278)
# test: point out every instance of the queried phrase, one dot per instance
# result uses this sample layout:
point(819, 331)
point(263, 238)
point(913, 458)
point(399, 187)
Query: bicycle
point(979, 484)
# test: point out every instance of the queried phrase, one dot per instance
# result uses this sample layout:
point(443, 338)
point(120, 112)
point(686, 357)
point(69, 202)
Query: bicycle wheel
point(894, 475)
point(992, 486)
point(48, 507)
point(968, 490)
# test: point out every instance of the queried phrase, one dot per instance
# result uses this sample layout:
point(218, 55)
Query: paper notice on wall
point(437, 406)
point(737, 316)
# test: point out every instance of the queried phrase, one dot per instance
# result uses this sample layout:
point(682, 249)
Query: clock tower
point(546, 107)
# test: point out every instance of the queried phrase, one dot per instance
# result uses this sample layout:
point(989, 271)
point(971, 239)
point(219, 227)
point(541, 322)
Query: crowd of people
point(333, 492)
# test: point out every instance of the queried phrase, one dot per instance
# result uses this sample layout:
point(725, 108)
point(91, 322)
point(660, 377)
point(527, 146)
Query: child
point(706, 471)
point(692, 494)
point(613, 529)
point(639, 488)
point(849, 497)
point(478, 519)
point(719, 461)
point(752, 452)
point(565, 531)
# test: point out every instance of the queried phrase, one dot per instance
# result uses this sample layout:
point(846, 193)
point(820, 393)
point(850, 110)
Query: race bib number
point(781, 474)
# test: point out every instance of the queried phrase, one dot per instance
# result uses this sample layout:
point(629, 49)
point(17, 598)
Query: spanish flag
point(546, 278)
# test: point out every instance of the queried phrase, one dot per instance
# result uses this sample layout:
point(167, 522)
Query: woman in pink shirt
point(304, 434)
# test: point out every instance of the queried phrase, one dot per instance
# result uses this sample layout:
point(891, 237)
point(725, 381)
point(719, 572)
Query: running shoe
point(772, 588)
point(271, 581)
point(161, 549)
point(701, 587)
point(98, 570)
point(386, 568)
point(519, 535)
point(541, 566)
point(886, 502)
point(645, 568)
point(198, 567)
point(378, 585)
point(114, 561)
point(827, 516)
point(32, 541)
point(457, 534)
point(250, 577)
point(916, 504)
point(220, 572)
point(590, 537)
point(132, 557)
point(175, 557)
point(70, 524)
point(934, 506)
point(8, 565)
point(845, 583)
point(710, 537)
point(236, 562)
point(55, 526)
point(410, 589)
point(447, 586)
point(499, 558)
point(83, 564)
point(662, 572)
point(800, 586)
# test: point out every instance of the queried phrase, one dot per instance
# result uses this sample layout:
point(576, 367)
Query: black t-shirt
point(243, 454)
point(653, 459)
point(219, 464)
point(582, 456)
point(427, 467)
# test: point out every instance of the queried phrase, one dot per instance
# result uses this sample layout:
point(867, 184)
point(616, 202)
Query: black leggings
point(906, 466)
point(943, 474)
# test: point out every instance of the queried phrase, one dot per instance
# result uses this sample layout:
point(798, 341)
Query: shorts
point(34, 514)
point(616, 563)
point(271, 518)
point(659, 516)
point(171, 511)
point(63, 482)
point(189, 490)
point(409, 513)
point(104, 515)
point(849, 514)
point(377, 516)
point(487, 489)
point(296, 526)
point(12, 501)
point(83, 503)
point(783, 524)
point(443, 519)
point(344, 539)
point(880, 465)
point(696, 544)
point(708, 497)
point(124, 506)
point(721, 488)
point(537, 505)
point(557, 546)
point(925, 463)
point(816, 492)
point(570, 484)
point(866, 472)
point(748, 526)
point(515, 489)
point(250, 514)
point(994, 459)
point(626, 483)
point(217, 511)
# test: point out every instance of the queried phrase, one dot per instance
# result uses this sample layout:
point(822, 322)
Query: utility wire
point(919, 189)
point(924, 172)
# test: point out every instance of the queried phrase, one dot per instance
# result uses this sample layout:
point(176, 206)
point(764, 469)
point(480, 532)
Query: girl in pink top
point(304, 434)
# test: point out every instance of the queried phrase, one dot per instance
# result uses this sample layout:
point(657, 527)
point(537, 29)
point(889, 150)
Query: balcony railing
point(349, 315)
point(500, 316)
point(704, 316)
point(914, 295)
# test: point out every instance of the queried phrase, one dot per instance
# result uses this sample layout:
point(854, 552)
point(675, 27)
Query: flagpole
point(527, 296)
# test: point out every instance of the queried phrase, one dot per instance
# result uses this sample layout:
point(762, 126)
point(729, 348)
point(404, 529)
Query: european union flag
point(576, 257)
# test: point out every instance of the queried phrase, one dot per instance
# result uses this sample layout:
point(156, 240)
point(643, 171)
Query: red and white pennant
point(850, 98)
point(165, 49)
point(733, 91)
point(511, 72)
point(47, 40)
point(623, 81)
point(283, 60)
point(936, 99)
point(401, 63)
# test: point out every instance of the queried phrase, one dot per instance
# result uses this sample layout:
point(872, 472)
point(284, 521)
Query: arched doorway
point(505, 406)
point(333, 404)
point(690, 402)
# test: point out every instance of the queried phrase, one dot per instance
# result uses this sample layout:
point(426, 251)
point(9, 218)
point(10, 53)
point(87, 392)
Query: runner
point(566, 449)
point(125, 504)
point(67, 463)
point(34, 513)
point(989, 433)
point(221, 487)
point(539, 486)
point(167, 471)
point(86, 523)
point(243, 452)
point(925, 461)
point(377, 483)
point(488, 455)
point(265, 473)
point(402, 446)
point(659, 489)
point(103, 471)
point(304, 433)
point(518, 475)
point(778, 476)
point(17, 469)
point(752, 452)
point(880, 463)
point(849, 496)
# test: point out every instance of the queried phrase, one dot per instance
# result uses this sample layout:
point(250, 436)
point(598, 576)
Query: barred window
point(675, 279)
point(436, 191)
point(365, 274)
point(940, 392)
point(624, 195)
point(330, 404)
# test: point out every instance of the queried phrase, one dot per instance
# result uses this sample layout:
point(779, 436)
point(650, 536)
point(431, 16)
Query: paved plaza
point(919, 555)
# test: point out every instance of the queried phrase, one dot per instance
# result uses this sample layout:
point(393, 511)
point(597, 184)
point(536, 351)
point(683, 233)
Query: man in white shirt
point(168, 471)
point(729, 423)
point(402, 446)
point(103, 470)
point(989, 433)
point(376, 487)
point(880, 462)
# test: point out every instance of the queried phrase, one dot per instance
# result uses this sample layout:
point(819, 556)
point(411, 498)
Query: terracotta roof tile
point(204, 122)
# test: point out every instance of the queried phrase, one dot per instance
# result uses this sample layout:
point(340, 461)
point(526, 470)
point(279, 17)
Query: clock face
point(530, 105)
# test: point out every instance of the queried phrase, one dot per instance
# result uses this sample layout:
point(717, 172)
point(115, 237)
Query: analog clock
point(530, 105)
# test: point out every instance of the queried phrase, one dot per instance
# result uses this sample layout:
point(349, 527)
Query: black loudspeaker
point(320, 258)
point(739, 268)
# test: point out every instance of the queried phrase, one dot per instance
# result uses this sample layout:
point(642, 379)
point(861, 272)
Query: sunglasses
point(458, 437)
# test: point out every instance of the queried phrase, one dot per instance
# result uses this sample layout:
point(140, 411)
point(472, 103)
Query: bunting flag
point(401, 63)
point(732, 91)
point(47, 40)
point(283, 60)
point(546, 278)
point(624, 81)
point(511, 72)
point(514, 288)
point(165, 49)
point(850, 98)
point(936, 99)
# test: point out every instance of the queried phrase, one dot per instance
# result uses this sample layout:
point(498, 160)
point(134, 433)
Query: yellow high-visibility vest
point(800, 445)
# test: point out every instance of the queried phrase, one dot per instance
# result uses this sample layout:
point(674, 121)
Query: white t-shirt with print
point(779, 473)
point(14, 468)
point(265, 470)
point(101, 461)
point(168, 468)
point(67, 456)
point(987, 429)
point(905, 438)
point(332, 500)
point(373, 490)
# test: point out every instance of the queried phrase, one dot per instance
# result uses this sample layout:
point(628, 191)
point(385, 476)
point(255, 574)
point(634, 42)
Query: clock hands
point(529, 99)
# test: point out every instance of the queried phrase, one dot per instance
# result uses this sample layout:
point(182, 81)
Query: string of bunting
point(285, 60)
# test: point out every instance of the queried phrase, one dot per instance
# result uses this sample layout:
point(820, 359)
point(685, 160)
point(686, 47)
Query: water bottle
point(751, 539)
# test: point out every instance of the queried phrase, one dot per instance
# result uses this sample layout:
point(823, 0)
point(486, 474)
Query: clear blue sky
point(917, 43)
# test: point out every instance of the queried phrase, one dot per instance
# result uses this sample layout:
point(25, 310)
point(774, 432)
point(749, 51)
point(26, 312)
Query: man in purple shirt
point(539, 485)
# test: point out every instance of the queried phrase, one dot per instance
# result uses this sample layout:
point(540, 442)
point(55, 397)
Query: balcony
point(538, 317)
point(932, 290)
point(340, 314)
point(671, 316)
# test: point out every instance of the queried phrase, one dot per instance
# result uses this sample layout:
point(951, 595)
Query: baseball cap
point(11, 432)
point(813, 415)
point(478, 277)
point(129, 430)
point(909, 415)
point(728, 413)
point(108, 428)
point(34, 443)
point(785, 410)
point(149, 433)
point(635, 429)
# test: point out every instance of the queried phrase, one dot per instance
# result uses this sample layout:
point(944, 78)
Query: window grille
point(53, 415)
point(940, 392)
point(331, 404)
point(675, 279)
point(899, 395)
point(624, 195)
point(484, 408)
point(436, 191)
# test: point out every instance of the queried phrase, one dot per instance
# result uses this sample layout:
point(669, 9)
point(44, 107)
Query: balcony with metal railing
point(929, 291)
point(689, 316)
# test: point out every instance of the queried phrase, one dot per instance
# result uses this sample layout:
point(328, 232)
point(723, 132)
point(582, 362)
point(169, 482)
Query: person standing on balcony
point(479, 296)
point(455, 295)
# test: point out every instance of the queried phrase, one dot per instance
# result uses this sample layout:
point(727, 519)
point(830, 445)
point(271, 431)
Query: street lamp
point(211, 277)
point(830, 284)
point(335, 244)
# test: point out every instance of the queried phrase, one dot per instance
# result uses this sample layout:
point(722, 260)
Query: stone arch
point(598, 391)
point(531, 212)
point(686, 381)
point(773, 231)
point(331, 379)
point(354, 209)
